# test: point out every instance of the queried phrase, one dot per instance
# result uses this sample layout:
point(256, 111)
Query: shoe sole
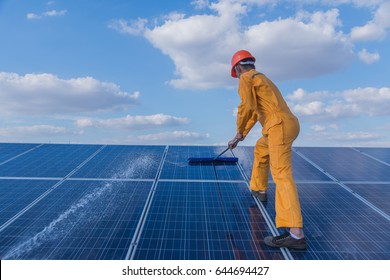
point(268, 242)
point(262, 198)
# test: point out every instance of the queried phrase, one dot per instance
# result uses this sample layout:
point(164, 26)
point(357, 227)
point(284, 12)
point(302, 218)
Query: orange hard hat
point(239, 56)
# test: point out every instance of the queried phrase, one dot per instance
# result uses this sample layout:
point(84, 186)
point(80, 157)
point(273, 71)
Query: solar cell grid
point(377, 194)
point(17, 194)
point(378, 153)
point(10, 150)
point(195, 220)
point(346, 164)
point(49, 160)
point(337, 225)
point(123, 162)
point(196, 212)
point(78, 220)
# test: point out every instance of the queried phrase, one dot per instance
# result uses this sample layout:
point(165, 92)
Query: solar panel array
point(145, 202)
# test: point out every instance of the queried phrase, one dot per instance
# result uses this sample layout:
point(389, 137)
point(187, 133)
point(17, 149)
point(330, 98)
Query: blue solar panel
point(125, 162)
point(346, 164)
point(48, 160)
point(337, 225)
point(10, 150)
point(190, 220)
point(78, 220)
point(378, 153)
point(17, 194)
point(377, 194)
point(147, 202)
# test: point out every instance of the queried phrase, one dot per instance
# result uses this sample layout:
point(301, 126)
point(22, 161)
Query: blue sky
point(158, 72)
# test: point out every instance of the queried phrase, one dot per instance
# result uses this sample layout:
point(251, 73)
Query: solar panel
point(377, 194)
point(50, 160)
point(192, 220)
point(17, 194)
point(125, 162)
point(10, 150)
point(78, 220)
point(146, 202)
point(337, 225)
point(376, 153)
point(346, 164)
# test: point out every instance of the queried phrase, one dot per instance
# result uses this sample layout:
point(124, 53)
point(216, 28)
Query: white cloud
point(200, 4)
point(343, 138)
point(354, 136)
point(40, 131)
point(369, 101)
point(368, 32)
point(304, 46)
point(51, 13)
point(133, 122)
point(376, 29)
point(54, 13)
point(173, 136)
point(44, 94)
point(345, 104)
point(309, 109)
point(33, 16)
point(368, 57)
point(301, 47)
point(178, 137)
point(323, 128)
point(136, 27)
point(318, 128)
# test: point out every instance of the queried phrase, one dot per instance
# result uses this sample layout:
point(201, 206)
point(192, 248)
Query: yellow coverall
point(262, 101)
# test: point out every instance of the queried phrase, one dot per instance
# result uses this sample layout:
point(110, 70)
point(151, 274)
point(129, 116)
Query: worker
point(262, 101)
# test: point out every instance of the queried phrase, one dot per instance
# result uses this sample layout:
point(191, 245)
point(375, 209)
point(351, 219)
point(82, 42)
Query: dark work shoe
point(285, 240)
point(262, 196)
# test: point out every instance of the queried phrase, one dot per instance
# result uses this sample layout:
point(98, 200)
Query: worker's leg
point(259, 179)
point(287, 206)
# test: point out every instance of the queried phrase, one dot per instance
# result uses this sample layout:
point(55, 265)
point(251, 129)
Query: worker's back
point(270, 104)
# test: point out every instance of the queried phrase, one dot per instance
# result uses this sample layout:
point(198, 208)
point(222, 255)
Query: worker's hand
point(233, 143)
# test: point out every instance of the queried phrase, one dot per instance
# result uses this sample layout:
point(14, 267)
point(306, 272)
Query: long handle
point(225, 150)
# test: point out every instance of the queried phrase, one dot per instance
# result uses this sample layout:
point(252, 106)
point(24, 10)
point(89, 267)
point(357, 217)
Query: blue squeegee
point(215, 160)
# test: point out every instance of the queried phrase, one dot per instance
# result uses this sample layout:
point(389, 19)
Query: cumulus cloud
point(329, 136)
point(322, 128)
point(355, 136)
point(135, 27)
point(46, 94)
point(200, 4)
point(302, 46)
point(133, 122)
point(315, 106)
point(311, 48)
point(376, 29)
point(370, 101)
point(173, 136)
point(368, 57)
point(41, 131)
point(51, 13)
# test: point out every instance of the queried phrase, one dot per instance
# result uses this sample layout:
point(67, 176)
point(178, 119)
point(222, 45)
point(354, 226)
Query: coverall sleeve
point(246, 115)
point(251, 122)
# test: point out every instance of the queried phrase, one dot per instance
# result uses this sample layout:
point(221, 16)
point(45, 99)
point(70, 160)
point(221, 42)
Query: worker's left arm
point(246, 115)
